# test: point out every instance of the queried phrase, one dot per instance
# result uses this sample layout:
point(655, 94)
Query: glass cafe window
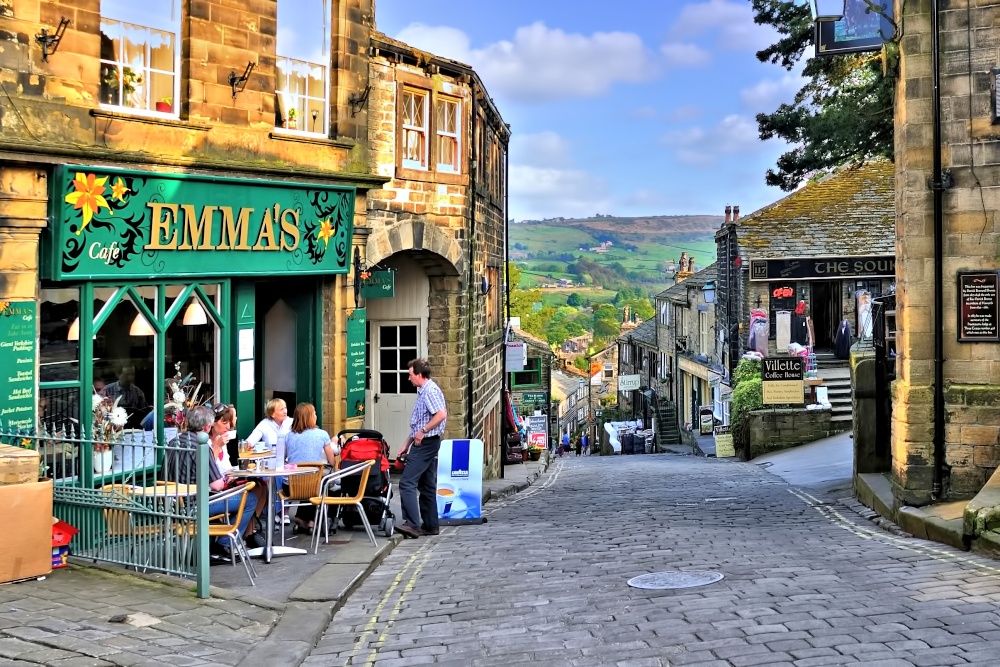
point(140, 54)
point(59, 358)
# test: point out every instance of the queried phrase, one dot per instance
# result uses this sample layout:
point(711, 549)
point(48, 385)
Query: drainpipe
point(937, 185)
point(471, 288)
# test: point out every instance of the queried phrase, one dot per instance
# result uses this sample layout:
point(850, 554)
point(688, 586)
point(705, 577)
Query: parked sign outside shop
point(706, 419)
point(537, 434)
point(460, 481)
point(17, 363)
point(724, 442)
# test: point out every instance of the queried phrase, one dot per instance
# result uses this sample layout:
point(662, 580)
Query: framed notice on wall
point(978, 306)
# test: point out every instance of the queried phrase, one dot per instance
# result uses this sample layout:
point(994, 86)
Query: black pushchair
point(360, 446)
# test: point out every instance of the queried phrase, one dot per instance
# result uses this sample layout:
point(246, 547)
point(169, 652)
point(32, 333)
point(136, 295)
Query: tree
point(521, 301)
point(573, 300)
point(843, 115)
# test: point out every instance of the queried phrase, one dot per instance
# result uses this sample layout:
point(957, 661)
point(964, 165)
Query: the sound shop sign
point(782, 380)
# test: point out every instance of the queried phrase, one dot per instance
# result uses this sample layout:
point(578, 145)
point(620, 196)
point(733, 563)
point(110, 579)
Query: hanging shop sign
point(978, 306)
point(628, 382)
point(110, 223)
point(356, 362)
point(867, 24)
point(533, 397)
point(379, 285)
point(18, 353)
point(823, 268)
point(782, 380)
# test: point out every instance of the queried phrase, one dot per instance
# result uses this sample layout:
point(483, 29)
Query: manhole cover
point(659, 581)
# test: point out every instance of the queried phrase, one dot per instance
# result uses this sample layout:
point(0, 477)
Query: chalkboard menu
point(17, 363)
point(356, 362)
point(978, 306)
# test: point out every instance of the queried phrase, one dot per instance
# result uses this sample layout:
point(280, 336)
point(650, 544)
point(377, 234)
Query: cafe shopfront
point(221, 282)
point(833, 289)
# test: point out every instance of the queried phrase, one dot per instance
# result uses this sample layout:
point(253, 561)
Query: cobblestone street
point(807, 581)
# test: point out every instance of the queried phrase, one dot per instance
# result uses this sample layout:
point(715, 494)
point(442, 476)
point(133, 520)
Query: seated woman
point(307, 443)
point(276, 422)
point(222, 426)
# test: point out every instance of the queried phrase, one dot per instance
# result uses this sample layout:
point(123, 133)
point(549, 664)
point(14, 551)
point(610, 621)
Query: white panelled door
point(395, 344)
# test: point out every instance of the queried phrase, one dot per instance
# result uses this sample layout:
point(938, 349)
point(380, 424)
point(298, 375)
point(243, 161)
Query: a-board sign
point(724, 442)
point(782, 380)
point(18, 356)
point(978, 306)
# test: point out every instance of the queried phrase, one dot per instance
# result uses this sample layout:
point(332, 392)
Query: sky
point(626, 108)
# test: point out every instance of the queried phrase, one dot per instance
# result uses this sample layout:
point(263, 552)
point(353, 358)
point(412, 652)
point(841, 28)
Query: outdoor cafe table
point(270, 550)
point(168, 494)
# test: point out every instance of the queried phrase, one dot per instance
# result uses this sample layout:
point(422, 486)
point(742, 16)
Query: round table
point(270, 550)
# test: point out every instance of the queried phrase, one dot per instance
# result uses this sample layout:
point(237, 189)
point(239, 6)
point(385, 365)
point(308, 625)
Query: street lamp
point(709, 290)
point(827, 10)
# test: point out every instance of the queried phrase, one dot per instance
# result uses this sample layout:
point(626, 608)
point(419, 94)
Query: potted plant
point(165, 105)
point(292, 123)
point(534, 452)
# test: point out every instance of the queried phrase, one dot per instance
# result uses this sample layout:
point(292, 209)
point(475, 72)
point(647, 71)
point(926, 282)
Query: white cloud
point(766, 95)
point(732, 22)
point(537, 193)
point(685, 55)
point(685, 112)
point(542, 63)
point(541, 149)
point(702, 147)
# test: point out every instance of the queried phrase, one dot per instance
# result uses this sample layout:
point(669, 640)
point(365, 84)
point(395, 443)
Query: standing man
point(421, 449)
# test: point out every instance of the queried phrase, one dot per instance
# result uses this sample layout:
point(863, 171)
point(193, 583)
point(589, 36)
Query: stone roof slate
point(532, 341)
point(850, 212)
point(645, 333)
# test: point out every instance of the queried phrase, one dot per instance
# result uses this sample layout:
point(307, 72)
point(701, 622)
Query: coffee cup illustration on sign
point(446, 496)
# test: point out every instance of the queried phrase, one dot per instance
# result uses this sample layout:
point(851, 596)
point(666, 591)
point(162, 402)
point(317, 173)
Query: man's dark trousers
point(420, 475)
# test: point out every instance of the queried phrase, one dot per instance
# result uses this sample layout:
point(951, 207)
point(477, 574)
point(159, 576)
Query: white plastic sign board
point(460, 481)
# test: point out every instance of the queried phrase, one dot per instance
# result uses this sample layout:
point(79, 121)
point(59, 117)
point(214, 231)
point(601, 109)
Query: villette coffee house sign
point(782, 380)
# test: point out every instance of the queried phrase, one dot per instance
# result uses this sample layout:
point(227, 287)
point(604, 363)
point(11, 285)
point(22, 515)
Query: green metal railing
point(122, 499)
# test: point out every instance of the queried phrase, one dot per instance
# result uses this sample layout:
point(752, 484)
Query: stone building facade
point(952, 456)
point(123, 169)
point(440, 224)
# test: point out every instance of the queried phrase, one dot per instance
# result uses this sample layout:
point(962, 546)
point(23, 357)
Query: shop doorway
point(287, 343)
point(826, 311)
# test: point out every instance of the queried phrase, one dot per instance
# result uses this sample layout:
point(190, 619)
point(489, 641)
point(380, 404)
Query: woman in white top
point(275, 423)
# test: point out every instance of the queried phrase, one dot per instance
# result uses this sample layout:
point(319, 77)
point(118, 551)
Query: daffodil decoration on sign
point(88, 197)
point(325, 232)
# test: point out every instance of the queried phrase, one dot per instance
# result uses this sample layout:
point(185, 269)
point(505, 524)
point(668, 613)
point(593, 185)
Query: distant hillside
point(633, 250)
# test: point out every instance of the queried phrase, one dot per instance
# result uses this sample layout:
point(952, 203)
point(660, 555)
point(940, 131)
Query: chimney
point(729, 213)
point(736, 213)
point(691, 266)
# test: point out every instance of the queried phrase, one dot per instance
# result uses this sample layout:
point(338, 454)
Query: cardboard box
point(18, 465)
point(26, 527)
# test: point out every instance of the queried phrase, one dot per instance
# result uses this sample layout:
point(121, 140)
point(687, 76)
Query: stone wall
point(774, 430)
point(970, 150)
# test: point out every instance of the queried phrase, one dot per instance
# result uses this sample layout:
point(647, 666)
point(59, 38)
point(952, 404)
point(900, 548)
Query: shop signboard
point(531, 398)
point(978, 306)
point(379, 285)
point(537, 431)
point(628, 382)
point(356, 362)
point(866, 26)
point(782, 380)
point(823, 268)
point(706, 420)
point(724, 442)
point(120, 224)
point(460, 481)
point(517, 354)
point(17, 363)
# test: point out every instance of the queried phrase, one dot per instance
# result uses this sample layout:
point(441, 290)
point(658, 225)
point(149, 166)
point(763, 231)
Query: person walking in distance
point(421, 450)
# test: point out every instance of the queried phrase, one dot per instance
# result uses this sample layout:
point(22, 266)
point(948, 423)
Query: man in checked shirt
point(421, 450)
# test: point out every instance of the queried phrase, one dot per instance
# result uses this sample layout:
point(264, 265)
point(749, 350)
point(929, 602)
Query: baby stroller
point(360, 446)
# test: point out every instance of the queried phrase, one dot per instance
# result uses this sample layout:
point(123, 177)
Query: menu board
point(17, 363)
point(356, 362)
point(978, 306)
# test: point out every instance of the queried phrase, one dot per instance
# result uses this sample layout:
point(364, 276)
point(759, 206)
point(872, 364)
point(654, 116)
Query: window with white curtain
point(140, 55)
point(302, 65)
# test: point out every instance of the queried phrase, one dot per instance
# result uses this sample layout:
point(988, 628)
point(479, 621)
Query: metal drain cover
point(659, 581)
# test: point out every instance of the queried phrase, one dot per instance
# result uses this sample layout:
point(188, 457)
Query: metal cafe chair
point(229, 526)
point(301, 488)
point(326, 500)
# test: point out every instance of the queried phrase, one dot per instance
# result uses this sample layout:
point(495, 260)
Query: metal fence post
point(201, 520)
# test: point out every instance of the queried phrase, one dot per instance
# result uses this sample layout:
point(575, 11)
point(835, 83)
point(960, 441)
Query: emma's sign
point(109, 223)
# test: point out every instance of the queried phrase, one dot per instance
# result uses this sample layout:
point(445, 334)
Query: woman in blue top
point(307, 443)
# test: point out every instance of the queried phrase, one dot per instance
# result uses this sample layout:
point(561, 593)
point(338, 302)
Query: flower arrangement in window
point(109, 421)
point(182, 395)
